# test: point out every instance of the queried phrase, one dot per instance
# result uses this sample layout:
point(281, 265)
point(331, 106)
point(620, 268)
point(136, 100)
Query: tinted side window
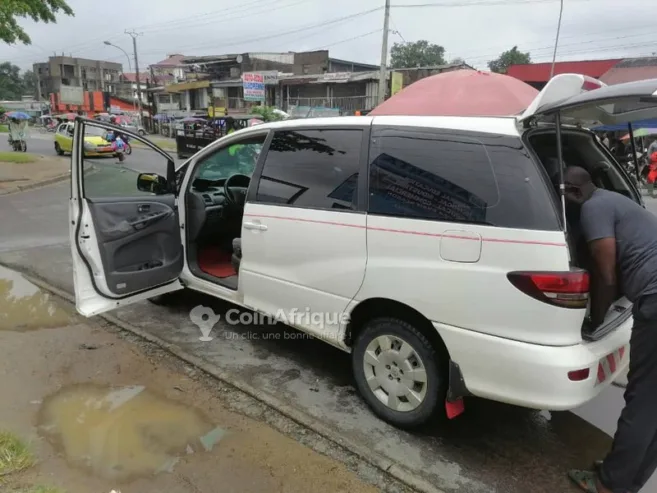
point(488, 180)
point(312, 168)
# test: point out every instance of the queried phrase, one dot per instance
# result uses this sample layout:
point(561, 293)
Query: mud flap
point(454, 405)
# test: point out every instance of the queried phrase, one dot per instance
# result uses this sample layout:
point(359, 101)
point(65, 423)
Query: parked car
point(94, 140)
point(433, 249)
point(134, 127)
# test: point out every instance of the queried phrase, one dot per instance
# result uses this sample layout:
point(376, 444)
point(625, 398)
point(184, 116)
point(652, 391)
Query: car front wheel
point(58, 149)
point(397, 371)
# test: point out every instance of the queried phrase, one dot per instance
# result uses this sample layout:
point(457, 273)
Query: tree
point(30, 82)
point(11, 83)
point(457, 61)
point(37, 10)
point(418, 54)
point(508, 58)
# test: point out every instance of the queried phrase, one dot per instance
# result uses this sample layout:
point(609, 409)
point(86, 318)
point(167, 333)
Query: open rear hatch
point(586, 102)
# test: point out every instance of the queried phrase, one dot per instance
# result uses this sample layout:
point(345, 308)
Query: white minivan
point(434, 249)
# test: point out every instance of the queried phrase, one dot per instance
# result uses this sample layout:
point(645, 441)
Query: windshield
point(91, 131)
point(232, 160)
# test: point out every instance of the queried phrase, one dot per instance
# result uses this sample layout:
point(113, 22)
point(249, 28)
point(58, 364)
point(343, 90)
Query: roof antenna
point(556, 41)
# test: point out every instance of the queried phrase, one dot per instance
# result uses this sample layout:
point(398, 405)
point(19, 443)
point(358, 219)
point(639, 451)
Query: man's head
point(579, 185)
point(113, 120)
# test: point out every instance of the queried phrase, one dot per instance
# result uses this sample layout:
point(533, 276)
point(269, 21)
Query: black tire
point(435, 387)
point(128, 149)
point(167, 299)
point(142, 133)
point(58, 149)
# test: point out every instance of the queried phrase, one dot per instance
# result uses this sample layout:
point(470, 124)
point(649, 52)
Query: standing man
point(622, 237)
point(652, 147)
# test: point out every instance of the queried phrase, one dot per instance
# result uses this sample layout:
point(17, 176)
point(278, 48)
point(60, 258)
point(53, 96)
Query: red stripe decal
point(612, 362)
point(407, 232)
point(601, 373)
point(621, 351)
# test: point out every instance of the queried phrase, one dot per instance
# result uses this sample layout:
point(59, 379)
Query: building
point(27, 105)
point(216, 81)
point(126, 87)
point(414, 74)
point(90, 75)
point(631, 69)
point(538, 74)
point(171, 69)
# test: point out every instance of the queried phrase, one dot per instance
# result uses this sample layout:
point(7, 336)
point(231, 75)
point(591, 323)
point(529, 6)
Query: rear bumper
point(536, 376)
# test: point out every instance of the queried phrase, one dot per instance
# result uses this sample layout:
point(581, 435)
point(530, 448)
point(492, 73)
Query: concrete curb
point(37, 184)
point(385, 465)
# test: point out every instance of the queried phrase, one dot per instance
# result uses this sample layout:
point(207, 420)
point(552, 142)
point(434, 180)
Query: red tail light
point(566, 289)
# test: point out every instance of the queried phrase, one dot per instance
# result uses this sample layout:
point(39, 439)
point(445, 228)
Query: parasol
point(461, 93)
point(642, 132)
point(18, 115)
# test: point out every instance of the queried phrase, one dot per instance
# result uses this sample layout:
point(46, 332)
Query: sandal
point(584, 479)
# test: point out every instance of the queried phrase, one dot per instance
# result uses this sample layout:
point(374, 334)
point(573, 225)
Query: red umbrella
point(461, 93)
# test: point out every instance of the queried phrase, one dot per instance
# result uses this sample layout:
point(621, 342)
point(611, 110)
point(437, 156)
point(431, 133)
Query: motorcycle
point(17, 135)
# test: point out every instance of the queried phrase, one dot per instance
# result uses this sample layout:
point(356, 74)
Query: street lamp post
point(127, 57)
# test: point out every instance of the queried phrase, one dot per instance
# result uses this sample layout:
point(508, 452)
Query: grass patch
point(14, 454)
point(39, 489)
point(4, 129)
point(17, 157)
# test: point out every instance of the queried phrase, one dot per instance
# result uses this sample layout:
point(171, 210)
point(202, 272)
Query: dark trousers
point(633, 457)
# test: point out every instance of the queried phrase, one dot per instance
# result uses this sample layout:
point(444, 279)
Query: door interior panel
point(139, 241)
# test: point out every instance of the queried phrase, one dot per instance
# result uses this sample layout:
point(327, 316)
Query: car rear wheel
point(142, 132)
point(58, 149)
point(397, 371)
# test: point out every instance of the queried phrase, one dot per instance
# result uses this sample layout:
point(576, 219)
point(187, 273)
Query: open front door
point(585, 101)
point(124, 229)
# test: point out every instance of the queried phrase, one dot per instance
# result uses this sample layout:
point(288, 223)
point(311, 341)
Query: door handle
point(255, 226)
point(143, 208)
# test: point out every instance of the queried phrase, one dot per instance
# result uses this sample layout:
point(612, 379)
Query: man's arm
point(603, 287)
point(598, 227)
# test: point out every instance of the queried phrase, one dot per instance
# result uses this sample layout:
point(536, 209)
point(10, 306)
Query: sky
point(475, 30)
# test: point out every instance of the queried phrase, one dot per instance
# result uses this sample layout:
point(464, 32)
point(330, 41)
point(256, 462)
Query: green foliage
point(266, 113)
point(508, 58)
point(37, 10)
point(30, 82)
point(13, 85)
point(418, 54)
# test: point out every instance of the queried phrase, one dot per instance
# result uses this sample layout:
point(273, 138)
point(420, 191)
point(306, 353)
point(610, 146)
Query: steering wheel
point(235, 188)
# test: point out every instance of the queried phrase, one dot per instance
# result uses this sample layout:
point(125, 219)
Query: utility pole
point(556, 41)
point(383, 82)
point(134, 35)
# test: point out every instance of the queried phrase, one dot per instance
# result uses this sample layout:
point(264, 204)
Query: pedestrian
point(652, 148)
point(652, 174)
point(623, 235)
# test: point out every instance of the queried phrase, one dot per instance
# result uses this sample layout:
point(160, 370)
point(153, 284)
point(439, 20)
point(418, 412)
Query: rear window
point(458, 177)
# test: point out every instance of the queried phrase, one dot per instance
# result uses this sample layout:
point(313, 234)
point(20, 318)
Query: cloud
point(472, 30)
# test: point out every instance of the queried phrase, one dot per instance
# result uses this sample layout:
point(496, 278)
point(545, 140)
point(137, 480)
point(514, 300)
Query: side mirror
point(152, 182)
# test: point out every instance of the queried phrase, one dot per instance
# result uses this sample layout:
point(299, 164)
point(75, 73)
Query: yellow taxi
point(94, 140)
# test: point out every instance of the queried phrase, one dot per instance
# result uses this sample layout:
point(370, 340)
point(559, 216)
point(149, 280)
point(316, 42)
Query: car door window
point(104, 176)
point(489, 180)
point(315, 169)
point(238, 158)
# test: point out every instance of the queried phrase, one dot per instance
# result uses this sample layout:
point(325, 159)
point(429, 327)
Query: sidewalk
point(34, 171)
point(100, 413)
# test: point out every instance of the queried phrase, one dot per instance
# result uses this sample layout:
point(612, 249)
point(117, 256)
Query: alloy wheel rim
point(395, 373)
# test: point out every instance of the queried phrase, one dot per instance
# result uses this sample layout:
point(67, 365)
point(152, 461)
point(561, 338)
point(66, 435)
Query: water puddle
point(121, 434)
point(23, 306)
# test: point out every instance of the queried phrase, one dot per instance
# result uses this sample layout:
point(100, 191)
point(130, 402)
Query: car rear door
point(587, 102)
point(125, 237)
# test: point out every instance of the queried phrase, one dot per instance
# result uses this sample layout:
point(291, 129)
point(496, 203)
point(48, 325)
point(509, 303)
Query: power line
point(479, 3)
point(364, 35)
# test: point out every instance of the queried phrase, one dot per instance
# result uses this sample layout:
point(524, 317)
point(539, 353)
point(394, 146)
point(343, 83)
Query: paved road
point(493, 448)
